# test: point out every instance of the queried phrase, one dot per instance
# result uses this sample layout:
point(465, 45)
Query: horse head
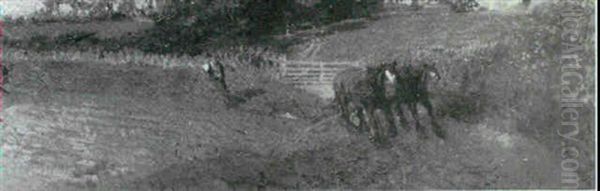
point(384, 78)
point(431, 71)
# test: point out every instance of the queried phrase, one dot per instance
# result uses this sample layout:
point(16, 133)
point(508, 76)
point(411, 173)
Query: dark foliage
point(75, 37)
point(196, 26)
point(465, 5)
point(337, 10)
point(191, 26)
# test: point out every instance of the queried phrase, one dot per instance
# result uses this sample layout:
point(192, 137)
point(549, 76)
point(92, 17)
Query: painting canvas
point(298, 94)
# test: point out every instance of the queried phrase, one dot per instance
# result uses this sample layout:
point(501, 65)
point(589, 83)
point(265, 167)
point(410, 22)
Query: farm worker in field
point(216, 72)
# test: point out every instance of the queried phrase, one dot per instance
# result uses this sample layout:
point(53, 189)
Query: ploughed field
point(73, 138)
point(83, 126)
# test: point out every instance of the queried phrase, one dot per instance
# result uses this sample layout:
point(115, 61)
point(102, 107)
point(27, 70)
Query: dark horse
point(393, 85)
point(411, 89)
point(383, 82)
point(370, 97)
point(364, 96)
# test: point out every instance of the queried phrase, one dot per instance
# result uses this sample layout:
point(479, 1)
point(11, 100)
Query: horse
point(370, 97)
point(351, 96)
point(383, 82)
point(412, 89)
point(363, 95)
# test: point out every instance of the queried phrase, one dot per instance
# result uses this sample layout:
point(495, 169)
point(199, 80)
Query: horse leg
point(372, 121)
point(437, 129)
point(392, 130)
point(381, 127)
point(403, 120)
point(346, 110)
point(415, 114)
point(363, 117)
point(365, 120)
point(344, 106)
point(371, 125)
point(341, 104)
point(354, 115)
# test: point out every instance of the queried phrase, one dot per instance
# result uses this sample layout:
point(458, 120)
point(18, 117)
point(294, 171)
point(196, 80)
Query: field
point(132, 121)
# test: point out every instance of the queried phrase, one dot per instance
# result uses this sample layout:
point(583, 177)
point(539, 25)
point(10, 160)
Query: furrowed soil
point(81, 126)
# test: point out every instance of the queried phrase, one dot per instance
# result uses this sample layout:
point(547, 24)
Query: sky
point(19, 7)
point(16, 8)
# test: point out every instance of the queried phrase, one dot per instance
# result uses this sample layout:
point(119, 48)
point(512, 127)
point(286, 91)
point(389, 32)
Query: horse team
point(370, 98)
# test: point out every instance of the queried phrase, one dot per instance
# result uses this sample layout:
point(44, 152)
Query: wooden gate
point(313, 76)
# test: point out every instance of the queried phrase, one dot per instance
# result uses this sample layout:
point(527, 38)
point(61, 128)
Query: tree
point(51, 6)
point(462, 5)
point(415, 4)
point(526, 3)
point(191, 26)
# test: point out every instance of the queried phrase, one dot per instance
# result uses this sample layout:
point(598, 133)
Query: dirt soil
point(145, 128)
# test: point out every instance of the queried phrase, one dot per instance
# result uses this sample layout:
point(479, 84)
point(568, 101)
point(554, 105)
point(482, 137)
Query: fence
point(313, 76)
point(389, 3)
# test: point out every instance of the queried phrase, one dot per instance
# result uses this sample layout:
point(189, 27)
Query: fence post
point(283, 69)
point(321, 71)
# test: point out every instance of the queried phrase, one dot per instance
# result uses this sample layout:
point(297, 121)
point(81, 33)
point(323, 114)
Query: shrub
point(40, 42)
point(462, 5)
point(337, 10)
